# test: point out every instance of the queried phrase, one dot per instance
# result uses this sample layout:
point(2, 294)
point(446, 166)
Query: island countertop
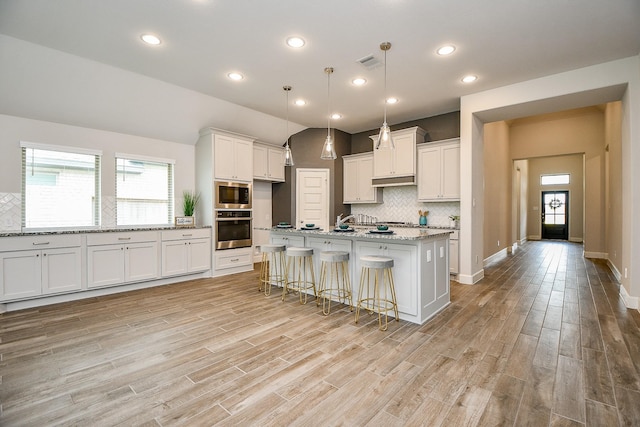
point(399, 233)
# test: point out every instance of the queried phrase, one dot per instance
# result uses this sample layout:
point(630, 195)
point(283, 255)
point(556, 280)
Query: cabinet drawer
point(23, 243)
point(191, 233)
point(119, 238)
point(230, 260)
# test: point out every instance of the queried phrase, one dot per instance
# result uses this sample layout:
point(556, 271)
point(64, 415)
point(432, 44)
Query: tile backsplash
point(10, 212)
point(401, 204)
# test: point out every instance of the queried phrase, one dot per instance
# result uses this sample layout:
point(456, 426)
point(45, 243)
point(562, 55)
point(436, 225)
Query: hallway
point(543, 340)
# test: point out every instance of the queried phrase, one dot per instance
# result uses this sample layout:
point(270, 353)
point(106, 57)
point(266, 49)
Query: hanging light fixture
point(385, 141)
point(288, 157)
point(328, 149)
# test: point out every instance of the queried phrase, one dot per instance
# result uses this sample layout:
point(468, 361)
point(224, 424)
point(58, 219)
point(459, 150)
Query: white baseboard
point(534, 237)
point(614, 270)
point(466, 279)
point(575, 239)
point(523, 241)
point(629, 301)
point(597, 255)
point(495, 257)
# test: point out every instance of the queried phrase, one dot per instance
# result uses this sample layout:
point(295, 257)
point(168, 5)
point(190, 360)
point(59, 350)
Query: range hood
point(395, 181)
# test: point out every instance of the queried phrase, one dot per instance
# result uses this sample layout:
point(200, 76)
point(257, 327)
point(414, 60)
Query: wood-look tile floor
point(543, 340)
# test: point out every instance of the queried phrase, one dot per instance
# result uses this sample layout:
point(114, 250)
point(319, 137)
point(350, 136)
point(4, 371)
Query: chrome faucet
point(340, 220)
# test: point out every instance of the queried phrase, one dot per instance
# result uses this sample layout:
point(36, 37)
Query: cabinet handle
point(187, 235)
point(40, 244)
point(235, 260)
point(124, 238)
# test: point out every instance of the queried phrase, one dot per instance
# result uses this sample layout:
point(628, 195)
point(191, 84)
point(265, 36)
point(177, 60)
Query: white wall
point(16, 129)
point(615, 80)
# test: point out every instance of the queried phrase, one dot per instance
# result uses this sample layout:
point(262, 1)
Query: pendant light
point(288, 157)
point(385, 141)
point(328, 149)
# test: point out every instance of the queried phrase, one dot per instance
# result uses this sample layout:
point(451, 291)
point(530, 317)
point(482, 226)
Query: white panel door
point(312, 197)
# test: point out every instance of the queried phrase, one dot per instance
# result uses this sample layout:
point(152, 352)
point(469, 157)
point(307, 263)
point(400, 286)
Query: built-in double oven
point(233, 226)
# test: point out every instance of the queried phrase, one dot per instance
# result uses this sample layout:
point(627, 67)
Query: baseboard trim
point(495, 257)
point(614, 270)
point(534, 237)
point(575, 239)
point(466, 279)
point(629, 301)
point(596, 255)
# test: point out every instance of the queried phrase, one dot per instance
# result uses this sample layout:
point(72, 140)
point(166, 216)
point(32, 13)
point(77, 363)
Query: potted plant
point(453, 221)
point(190, 201)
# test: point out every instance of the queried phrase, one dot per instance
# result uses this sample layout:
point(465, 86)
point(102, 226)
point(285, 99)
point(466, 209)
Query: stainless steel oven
point(232, 195)
point(233, 229)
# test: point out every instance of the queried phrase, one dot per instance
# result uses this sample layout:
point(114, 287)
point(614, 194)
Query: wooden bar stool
point(272, 270)
point(381, 295)
point(334, 279)
point(300, 276)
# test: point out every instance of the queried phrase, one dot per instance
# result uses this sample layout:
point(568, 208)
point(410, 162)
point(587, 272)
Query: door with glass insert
point(555, 215)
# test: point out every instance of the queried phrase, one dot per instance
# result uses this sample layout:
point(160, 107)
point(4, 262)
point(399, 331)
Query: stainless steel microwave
point(232, 195)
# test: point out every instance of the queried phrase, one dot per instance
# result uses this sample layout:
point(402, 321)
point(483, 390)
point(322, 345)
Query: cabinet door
point(174, 258)
point(366, 193)
point(141, 261)
point(429, 173)
point(224, 157)
point(20, 274)
point(61, 270)
point(105, 265)
point(405, 266)
point(199, 255)
point(453, 256)
point(260, 162)
point(295, 241)
point(276, 164)
point(451, 172)
point(442, 268)
point(243, 160)
point(405, 155)
point(383, 163)
point(350, 181)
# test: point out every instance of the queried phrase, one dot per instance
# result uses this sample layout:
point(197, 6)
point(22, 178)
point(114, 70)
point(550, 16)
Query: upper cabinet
point(357, 174)
point(398, 166)
point(439, 171)
point(233, 158)
point(268, 163)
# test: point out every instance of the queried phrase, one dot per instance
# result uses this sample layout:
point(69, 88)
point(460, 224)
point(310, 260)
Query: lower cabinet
point(27, 273)
point(232, 258)
point(185, 252)
point(295, 241)
point(110, 264)
point(405, 258)
point(319, 244)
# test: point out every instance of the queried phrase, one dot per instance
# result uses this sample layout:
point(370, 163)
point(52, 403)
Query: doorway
point(555, 215)
point(312, 197)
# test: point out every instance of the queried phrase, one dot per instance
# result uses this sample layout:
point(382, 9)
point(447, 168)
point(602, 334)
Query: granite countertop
point(399, 233)
point(95, 230)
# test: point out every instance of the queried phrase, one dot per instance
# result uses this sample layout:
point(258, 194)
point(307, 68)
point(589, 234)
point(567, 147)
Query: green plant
point(454, 217)
point(190, 201)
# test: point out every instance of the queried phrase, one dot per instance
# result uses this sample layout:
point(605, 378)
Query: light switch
point(429, 255)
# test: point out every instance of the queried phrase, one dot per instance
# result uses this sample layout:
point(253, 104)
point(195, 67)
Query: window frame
point(542, 176)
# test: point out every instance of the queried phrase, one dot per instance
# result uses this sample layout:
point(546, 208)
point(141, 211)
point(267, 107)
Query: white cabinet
point(118, 258)
point(295, 241)
point(320, 244)
point(405, 266)
point(39, 265)
point(268, 163)
point(389, 166)
point(439, 171)
point(231, 258)
point(185, 251)
point(233, 158)
point(357, 175)
point(453, 253)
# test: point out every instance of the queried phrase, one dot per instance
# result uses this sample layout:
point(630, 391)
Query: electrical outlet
point(498, 243)
point(476, 259)
point(625, 272)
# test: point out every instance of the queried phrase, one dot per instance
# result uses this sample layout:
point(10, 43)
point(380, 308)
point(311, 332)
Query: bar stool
point(383, 278)
point(299, 276)
point(272, 268)
point(337, 284)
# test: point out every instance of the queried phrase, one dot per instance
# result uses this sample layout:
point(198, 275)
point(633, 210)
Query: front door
point(555, 215)
point(312, 197)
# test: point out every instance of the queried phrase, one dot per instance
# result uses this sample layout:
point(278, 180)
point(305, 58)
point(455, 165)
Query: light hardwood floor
point(543, 340)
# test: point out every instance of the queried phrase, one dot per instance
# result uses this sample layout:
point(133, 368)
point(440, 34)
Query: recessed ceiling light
point(336, 116)
point(359, 81)
point(446, 50)
point(469, 78)
point(300, 102)
point(235, 76)
point(392, 100)
point(295, 41)
point(150, 39)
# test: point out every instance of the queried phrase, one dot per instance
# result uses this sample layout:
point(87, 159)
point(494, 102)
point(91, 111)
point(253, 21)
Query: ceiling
point(502, 42)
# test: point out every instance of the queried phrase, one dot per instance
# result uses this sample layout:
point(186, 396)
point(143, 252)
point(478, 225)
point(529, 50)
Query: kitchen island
point(421, 261)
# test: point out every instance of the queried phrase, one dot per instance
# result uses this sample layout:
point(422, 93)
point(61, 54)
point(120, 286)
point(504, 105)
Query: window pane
point(558, 179)
point(59, 189)
point(144, 192)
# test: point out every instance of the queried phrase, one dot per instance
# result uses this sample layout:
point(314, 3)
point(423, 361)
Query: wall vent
point(369, 62)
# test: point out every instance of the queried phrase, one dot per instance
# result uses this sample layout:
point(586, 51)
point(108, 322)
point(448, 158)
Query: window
point(144, 191)
point(60, 187)
point(556, 179)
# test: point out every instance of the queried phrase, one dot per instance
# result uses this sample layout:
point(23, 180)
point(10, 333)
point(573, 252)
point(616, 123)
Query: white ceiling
point(500, 41)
